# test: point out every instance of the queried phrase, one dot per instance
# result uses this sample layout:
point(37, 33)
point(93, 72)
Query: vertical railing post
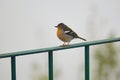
point(50, 61)
point(13, 68)
point(87, 62)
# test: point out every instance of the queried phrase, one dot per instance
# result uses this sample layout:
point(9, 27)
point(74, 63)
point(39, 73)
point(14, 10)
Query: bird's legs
point(66, 44)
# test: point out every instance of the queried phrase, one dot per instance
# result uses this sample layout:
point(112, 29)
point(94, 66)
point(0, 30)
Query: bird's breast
point(62, 36)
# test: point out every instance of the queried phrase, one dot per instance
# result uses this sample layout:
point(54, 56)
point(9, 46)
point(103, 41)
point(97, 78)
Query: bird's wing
point(70, 32)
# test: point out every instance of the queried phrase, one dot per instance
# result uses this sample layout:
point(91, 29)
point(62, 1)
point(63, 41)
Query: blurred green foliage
point(107, 63)
point(40, 73)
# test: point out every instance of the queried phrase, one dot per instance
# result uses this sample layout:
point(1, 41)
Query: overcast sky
point(29, 24)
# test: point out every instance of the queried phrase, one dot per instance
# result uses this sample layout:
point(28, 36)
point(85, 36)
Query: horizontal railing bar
point(59, 47)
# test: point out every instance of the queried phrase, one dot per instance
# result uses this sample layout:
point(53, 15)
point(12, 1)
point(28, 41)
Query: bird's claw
point(64, 45)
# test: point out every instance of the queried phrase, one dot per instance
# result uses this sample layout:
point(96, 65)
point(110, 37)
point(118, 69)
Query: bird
point(66, 34)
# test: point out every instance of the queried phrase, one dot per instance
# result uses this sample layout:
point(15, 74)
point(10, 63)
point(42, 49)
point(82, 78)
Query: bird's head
point(61, 25)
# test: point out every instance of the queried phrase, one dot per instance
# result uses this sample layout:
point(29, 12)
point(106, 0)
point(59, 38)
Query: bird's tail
point(82, 39)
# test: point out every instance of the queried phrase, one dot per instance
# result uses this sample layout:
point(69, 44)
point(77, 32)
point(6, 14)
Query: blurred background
point(29, 24)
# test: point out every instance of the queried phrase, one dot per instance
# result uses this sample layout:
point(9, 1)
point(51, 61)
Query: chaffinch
point(65, 34)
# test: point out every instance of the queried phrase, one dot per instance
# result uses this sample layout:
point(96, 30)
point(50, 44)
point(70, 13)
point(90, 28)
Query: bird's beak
point(56, 26)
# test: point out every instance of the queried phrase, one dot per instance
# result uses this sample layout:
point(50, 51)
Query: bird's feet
point(65, 44)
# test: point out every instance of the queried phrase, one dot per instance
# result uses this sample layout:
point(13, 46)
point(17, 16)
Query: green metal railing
point(50, 55)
